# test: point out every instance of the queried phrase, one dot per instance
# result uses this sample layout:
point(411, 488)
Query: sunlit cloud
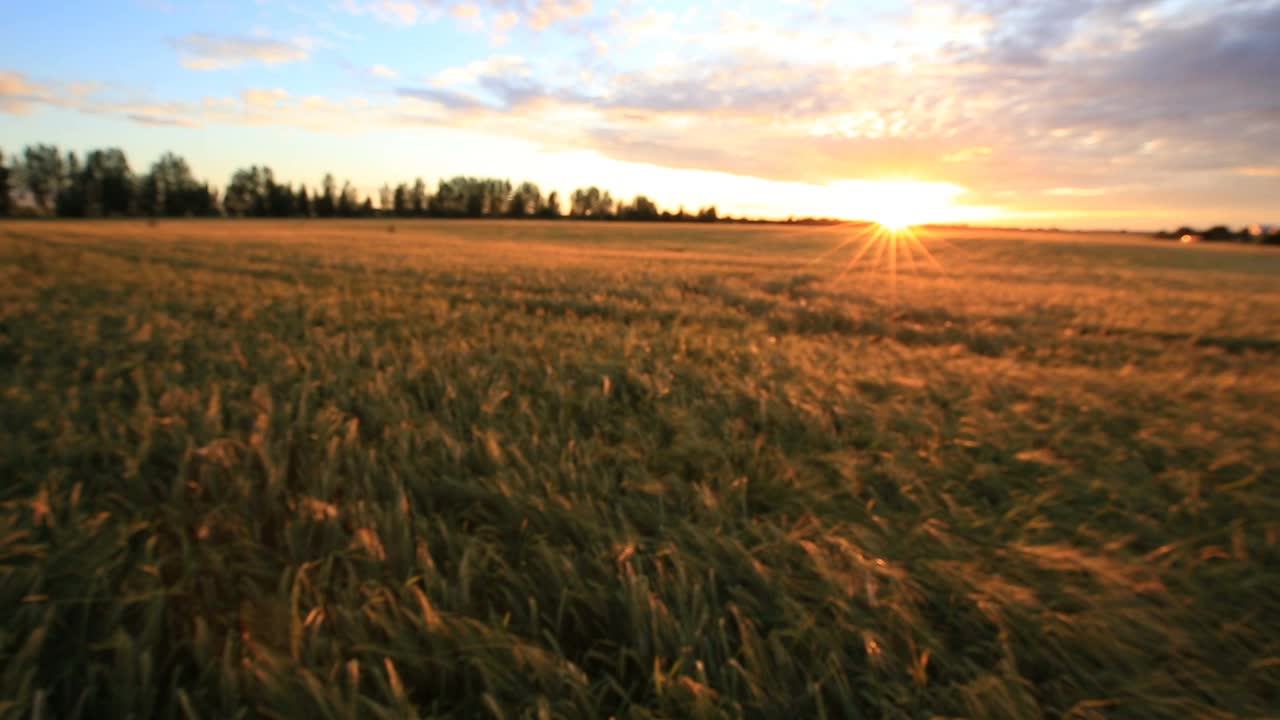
point(1060, 105)
point(1258, 172)
point(402, 12)
point(1076, 192)
point(550, 12)
point(200, 51)
point(469, 13)
point(500, 28)
point(17, 94)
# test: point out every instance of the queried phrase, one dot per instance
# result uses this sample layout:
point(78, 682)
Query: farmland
point(539, 469)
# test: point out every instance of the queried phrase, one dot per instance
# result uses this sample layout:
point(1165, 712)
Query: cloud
point(496, 17)
point(481, 70)
point(145, 119)
point(1258, 172)
point(551, 12)
point(1078, 192)
point(500, 28)
point(201, 51)
point(1060, 103)
point(469, 13)
point(1088, 124)
point(447, 99)
point(17, 94)
point(968, 154)
point(255, 98)
point(400, 12)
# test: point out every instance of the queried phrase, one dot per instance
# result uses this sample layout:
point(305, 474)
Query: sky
point(1140, 114)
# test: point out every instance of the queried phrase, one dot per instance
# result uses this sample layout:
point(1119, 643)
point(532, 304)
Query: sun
point(896, 205)
point(898, 208)
point(895, 220)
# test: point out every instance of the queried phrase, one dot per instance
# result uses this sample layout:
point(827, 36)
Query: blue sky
point(1139, 113)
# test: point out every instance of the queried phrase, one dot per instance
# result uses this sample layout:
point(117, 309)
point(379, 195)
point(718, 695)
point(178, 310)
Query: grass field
point(333, 470)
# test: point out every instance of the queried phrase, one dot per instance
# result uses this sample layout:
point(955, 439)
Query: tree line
point(1221, 233)
point(43, 181)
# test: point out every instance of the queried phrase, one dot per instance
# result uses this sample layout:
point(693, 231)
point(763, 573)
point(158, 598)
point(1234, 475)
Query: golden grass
point(469, 469)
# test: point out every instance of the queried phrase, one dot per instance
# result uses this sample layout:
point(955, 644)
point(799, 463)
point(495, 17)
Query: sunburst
point(892, 246)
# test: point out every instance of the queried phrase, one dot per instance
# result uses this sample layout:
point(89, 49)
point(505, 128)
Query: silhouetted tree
point(442, 202)
point(418, 198)
point(497, 195)
point(72, 198)
point(400, 201)
point(552, 207)
point(280, 202)
point(591, 203)
point(327, 202)
point(44, 174)
point(169, 189)
point(250, 192)
point(1218, 233)
point(348, 200)
point(526, 201)
point(5, 202)
point(476, 200)
point(385, 198)
point(104, 185)
point(641, 209)
point(108, 184)
point(303, 203)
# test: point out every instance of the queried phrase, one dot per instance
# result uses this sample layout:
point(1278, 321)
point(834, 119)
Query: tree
point(475, 200)
point(447, 201)
point(581, 202)
point(303, 203)
point(526, 201)
point(400, 201)
point(5, 203)
point(170, 190)
point(72, 198)
point(708, 214)
point(280, 202)
point(108, 184)
point(591, 203)
point(385, 198)
point(497, 197)
point(641, 209)
point(249, 193)
point(418, 200)
point(1218, 232)
point(44, 174)
point(552, 207)
point(327, 203)
point(348, 202)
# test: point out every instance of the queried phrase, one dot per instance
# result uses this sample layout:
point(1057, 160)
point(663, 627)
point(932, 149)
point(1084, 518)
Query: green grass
point(326, 470)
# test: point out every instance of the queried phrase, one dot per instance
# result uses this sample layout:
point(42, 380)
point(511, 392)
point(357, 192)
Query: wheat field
point(588, 470)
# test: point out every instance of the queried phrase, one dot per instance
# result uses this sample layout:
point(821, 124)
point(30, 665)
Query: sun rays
point(890, 246)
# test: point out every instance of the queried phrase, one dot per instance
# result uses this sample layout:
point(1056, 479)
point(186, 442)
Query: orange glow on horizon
point(897, 205)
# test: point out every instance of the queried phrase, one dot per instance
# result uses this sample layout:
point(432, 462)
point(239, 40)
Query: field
point(455, 469)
